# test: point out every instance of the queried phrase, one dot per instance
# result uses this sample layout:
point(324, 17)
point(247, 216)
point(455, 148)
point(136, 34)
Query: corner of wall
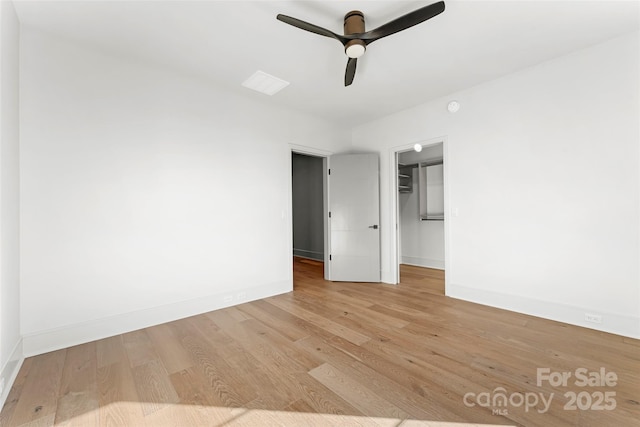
point(613, 323)
point(58, 338)
point(10, 371)
point(11, 358)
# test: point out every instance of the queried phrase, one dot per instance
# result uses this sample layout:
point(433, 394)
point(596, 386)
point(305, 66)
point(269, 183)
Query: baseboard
point(438, 264)
point(303, 253)
point(387, 277)
point(10, 371)
point(80, 333)
point(628, 326)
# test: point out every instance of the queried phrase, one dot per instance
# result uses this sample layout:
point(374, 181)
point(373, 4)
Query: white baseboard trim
point(438, 264)
point(303, 253)
point(10, 371)
point(628, 326)
point(387, 277)
point(54, 339)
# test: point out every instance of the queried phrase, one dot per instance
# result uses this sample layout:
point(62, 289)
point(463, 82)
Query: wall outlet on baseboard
point(593, 318)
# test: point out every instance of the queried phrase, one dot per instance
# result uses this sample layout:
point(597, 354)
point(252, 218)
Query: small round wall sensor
point(453, 106)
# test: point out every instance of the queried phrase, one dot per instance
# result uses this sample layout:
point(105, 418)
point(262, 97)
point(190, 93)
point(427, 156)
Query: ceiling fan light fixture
point(355, 48)
point(356, 39)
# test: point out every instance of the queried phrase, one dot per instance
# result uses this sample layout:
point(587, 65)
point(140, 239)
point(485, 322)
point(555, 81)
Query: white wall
point(10, 341)
point(543, 167)
point(146, 196)
point(421, 242)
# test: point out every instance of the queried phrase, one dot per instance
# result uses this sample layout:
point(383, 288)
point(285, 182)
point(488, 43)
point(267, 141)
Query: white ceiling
point(226, 41)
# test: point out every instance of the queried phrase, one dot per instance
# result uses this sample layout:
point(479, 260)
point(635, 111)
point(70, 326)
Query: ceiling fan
point(355, 39)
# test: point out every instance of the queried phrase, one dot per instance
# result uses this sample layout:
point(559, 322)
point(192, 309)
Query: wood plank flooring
point(344, 354)
point(427, 279)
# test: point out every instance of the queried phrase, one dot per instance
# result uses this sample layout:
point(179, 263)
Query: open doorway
point(355, 205)
point(309, 209)
point(307, 206)
point(421, 217)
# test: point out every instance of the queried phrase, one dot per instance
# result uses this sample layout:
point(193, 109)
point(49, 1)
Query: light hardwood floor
point(426, 279)
point(331, 354)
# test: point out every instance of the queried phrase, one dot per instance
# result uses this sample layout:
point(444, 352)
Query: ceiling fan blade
point(311, 28)
point(403, 22)
point(350, 72)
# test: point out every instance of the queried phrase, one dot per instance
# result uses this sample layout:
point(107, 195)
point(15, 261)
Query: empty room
point(319, 213)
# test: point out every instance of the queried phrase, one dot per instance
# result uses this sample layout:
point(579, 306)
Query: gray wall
point(308, 229)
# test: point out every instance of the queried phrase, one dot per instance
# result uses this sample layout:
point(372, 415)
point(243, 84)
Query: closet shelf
point(434, 217)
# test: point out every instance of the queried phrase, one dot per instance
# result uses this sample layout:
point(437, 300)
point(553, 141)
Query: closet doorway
point(421, 217)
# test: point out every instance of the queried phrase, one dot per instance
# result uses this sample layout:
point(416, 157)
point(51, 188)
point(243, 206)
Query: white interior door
point(354, 204)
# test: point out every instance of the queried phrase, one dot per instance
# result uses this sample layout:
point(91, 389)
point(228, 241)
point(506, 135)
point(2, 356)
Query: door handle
point(375, 226)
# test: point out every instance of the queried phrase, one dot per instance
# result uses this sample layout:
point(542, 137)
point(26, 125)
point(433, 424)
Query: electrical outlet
point(593, 318)
point(228, 299)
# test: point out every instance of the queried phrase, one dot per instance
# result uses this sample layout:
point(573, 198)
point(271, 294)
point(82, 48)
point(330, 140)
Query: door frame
point(395, 205)
point(324, 155)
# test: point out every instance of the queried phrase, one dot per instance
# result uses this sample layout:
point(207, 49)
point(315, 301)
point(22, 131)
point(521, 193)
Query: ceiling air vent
point(265, 83)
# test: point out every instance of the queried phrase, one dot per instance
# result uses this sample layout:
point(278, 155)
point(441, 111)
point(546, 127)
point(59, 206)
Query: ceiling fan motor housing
point(354, 24)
